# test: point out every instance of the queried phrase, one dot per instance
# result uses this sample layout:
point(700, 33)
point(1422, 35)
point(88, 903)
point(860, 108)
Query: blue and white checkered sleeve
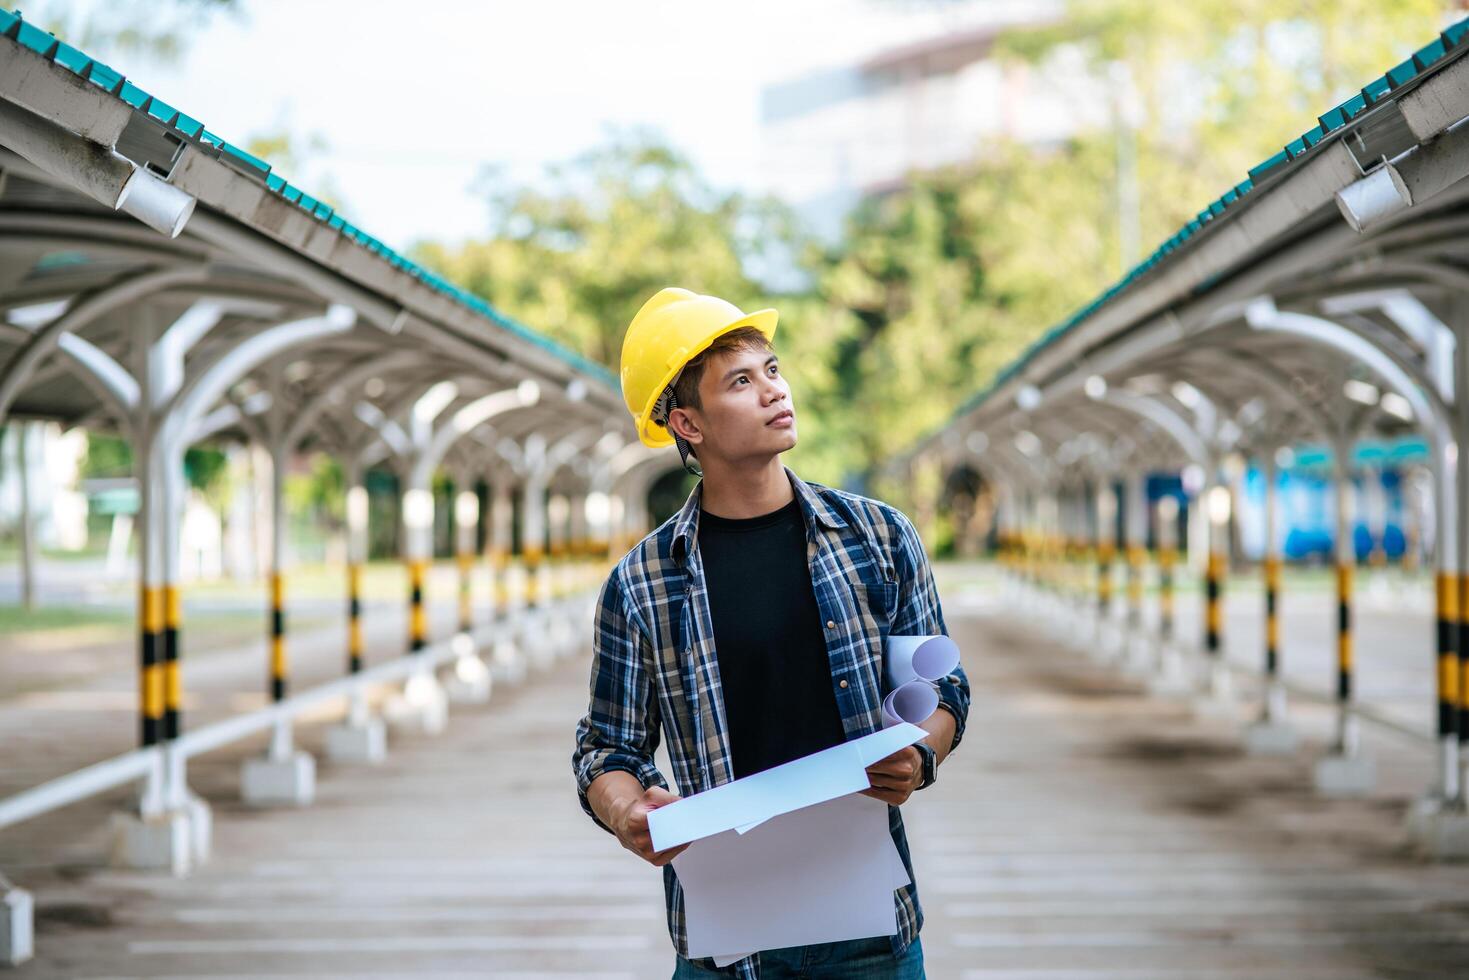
point(920, 613)
point(621, 727)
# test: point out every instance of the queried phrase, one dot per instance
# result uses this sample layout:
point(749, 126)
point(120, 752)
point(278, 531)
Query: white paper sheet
point(824, 873)
point(816, 778)
point(918, 658)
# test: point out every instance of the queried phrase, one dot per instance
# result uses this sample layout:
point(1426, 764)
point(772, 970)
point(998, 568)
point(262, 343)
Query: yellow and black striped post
point(172, 683)
point(150, 648)
point(1105, 553)
point(1136, 555)
point(1213, 594)
point(1343, 632)
point(531, 560)
point(1167, 556)
point(466, 610)
point(417, 619)
point(354, 617)
point(1447, 628)
point(1272, 617)
point(1463, 685)
point(500, 571)
point(277, 636)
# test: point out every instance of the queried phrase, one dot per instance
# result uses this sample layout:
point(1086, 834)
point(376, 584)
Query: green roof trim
point(14, 27)
point(1450, 40)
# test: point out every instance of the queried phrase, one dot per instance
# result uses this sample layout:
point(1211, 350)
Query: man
point(749, 628)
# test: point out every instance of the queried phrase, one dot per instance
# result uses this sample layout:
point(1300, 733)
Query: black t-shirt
point(768, 637)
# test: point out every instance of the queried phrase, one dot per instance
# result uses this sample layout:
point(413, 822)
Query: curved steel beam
point(198, 394)
point(83, 312)
point(1428, 405)
point(305, 417)
point(1174, 425)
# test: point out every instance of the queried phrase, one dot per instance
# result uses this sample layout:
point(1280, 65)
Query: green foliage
point(578, 257)
point(320, 493)
point(936, 286)
point(106, 456)
point(120, 28)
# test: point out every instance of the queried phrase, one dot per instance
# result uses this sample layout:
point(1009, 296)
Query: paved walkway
point(1081, 831)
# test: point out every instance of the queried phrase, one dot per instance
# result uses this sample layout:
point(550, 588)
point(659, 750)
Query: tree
point(119, 28)
point(579, 256)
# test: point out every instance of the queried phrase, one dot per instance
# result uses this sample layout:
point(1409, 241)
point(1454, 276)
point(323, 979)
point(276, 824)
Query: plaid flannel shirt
point(655, 674)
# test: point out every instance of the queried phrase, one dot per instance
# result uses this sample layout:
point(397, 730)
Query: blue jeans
point(855, 959)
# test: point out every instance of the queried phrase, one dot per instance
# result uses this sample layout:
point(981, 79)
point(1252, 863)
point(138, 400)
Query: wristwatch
point(930, 764)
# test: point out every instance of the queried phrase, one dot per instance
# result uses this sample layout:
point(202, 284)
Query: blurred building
point(831, 137)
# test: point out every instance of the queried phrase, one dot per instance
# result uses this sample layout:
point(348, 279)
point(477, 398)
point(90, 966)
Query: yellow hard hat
point(669, 331)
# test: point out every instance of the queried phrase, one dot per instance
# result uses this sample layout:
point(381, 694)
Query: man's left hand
point(895, 778)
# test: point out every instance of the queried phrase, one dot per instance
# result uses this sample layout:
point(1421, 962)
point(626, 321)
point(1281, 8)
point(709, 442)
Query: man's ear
point(682, 423)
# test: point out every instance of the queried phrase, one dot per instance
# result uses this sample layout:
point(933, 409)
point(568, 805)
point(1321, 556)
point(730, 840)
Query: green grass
point(15, 619)
point(59, 628)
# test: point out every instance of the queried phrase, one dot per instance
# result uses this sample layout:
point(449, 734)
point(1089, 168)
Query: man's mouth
point(783, 418)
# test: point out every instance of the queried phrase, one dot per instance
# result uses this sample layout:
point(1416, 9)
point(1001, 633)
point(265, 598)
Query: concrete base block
point(365, 743)
point(1343, 776)
point(157, 843)
point(1420, 812)
point(422, 707)
point(17, 924)
point(470, 682)
point(201, 829)
point(1214, 707)
point(1174, 679)
point(512, 673)
point(1444, 835)
point(279, 782)
point(1137, 658)
point(1271, 738)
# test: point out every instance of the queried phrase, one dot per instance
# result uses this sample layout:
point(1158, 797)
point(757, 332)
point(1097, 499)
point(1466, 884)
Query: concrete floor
point(1082, 830)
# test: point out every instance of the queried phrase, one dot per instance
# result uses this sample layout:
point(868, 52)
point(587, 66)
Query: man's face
point(747, 409)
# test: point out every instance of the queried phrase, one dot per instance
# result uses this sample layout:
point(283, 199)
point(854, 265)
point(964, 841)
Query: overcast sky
point(413, 97)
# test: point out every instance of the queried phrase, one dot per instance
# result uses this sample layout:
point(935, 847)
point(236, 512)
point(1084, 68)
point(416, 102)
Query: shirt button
point(831, 624)
point(842, 685)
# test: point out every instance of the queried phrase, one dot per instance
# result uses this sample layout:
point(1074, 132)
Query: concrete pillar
point(1217, 503)
point(1272, 733)
point(469, 681)
point(533, 546)
point(1135, 532)
point(507, 661)
point(1105, 537)
point(1344, 771)
point(26, 436)
point(423, 704)
point(557, 517)
point(1438, 823)
point(361, 738)
point(171, 827)
point(285, 776)
point(1171, 677)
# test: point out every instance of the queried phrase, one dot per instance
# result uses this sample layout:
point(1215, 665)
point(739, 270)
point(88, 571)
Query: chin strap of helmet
point(662, 408)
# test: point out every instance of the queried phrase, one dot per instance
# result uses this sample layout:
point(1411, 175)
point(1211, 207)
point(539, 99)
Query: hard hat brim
point(656, 436)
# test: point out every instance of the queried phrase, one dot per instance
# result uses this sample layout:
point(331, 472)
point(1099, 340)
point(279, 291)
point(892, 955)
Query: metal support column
point(357, 516)
point(25, 437)
point(1135, 517)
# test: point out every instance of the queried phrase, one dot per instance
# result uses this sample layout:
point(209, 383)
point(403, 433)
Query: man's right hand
point(630, 823)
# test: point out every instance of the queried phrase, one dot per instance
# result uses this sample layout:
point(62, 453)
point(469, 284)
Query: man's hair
point(686, 386)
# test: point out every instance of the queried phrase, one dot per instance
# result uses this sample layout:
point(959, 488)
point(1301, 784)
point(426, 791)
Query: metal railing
point(154, 763)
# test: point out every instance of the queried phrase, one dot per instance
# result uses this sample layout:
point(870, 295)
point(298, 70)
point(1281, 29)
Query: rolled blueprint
point(913, 703)
point(911, 665)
